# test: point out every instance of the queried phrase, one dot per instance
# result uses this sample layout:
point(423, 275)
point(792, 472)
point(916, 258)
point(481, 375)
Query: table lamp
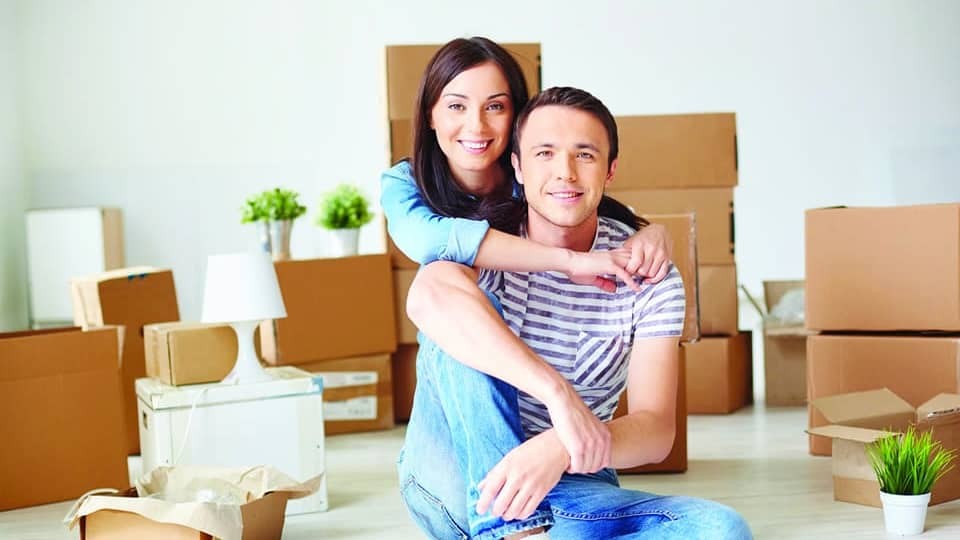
point(241, 289)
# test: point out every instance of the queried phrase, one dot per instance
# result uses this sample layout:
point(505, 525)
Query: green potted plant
point(343, 211)
point(907, 466)
point(274, 211)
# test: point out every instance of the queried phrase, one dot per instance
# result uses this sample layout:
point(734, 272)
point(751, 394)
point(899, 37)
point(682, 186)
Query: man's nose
point(565, 169)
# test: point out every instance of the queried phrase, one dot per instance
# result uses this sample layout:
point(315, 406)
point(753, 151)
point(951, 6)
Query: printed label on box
point(360, 408)
point(339, 379)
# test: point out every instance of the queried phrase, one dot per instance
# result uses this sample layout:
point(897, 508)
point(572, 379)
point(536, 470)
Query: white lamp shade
point(241, 287)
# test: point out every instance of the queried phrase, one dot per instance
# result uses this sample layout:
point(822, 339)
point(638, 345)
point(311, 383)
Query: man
point(510, 437)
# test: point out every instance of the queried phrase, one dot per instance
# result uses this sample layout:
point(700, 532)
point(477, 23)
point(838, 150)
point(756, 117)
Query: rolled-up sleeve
point(418, 231)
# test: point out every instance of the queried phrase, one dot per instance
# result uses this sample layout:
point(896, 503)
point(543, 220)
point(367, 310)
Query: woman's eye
point(456, 107)
point(496, 106)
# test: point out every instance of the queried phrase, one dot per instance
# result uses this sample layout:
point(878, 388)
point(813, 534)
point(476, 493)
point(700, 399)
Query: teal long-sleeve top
point(419, 232)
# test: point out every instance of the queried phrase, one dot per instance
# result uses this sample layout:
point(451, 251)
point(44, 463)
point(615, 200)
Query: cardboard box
point(915, 368)
point(719, 312)
point(713, 209)
point(406, 330)
point(677, 151)
point(404, 367)
point(336, 308)
point(180, 353)
point(401, 139)
point(719, 374)
point(407, 63)
point(358, 393)
point(131, 297)
point(784, 351)
point(676, 461)
point(907, 278)
point(682, 229)
point(858, 419)
point(62, 424)
point(278, 423)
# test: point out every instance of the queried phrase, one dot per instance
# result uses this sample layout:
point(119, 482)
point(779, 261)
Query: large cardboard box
point(883, 269)
point(357, 393)
point(336, 308)
point(719, 374)
point(278, 423)
point(677, 151)
point(676, 461)
point(915, 368)
point(784, 351)
point(404, 367)
point(406, 330)
point(713, 209)
point(61, 415)
point(180, 353)
point(682, 228)
point(132, 297)
point(719, 314)
point(858, 419)
point(407, 63)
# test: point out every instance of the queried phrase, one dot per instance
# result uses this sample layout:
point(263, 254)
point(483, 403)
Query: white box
point(277, 423)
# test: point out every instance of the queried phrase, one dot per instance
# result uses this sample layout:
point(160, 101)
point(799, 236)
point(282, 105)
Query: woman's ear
point(515, 161)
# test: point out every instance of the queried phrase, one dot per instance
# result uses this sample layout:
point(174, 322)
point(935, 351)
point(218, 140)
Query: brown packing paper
point(226, 521)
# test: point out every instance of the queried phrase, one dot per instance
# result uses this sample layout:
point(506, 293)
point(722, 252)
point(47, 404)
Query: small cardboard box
point(784, 351)
point(407, 63)
point(404, 366)
point(860, 418)
point(136, 513)
point(915, 368)
point(357, 393)
point(676, 461)
point(406, 330)
point(336, 308)
point(719, 313)
point(713, 209)
point(677, 151)
point(131, 297)
point(719, 374)
point(682, 229)
point(854, 285)
point(62, 420)
point(181, 353)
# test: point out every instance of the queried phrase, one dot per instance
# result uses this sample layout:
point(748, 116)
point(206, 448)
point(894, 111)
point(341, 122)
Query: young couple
point(522, 365)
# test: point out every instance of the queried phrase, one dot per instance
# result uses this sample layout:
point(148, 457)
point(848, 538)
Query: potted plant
point(907, 466)
point(273, 211)
point(343, 211)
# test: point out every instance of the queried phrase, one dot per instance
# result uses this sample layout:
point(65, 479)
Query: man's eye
point(543, 153)
point(585, 156)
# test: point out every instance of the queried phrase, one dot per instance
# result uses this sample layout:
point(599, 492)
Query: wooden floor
point(755, 461)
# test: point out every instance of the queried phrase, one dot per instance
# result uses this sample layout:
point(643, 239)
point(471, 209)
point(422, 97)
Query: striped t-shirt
point(586, 334)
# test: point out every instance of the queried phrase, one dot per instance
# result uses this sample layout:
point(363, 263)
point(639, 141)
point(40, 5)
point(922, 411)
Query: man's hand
point(515, 487)
point(586, 439)
point(597, 268)
point(650, 252)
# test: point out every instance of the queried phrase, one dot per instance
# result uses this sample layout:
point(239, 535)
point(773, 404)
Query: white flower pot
point(344, 242)
point(904, 515)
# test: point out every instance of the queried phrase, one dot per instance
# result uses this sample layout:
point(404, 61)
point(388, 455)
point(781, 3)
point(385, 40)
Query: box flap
point(849, 433)
point(943, 408)
point(850, 409)
point(773, 291)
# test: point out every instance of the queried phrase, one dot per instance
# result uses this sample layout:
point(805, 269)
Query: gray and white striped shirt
point(584, 333)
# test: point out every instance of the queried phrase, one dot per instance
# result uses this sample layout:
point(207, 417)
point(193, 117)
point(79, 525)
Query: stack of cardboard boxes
point(883, 285)
point(688, 163)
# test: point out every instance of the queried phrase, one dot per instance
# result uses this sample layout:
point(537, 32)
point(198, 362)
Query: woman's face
point(472, 120)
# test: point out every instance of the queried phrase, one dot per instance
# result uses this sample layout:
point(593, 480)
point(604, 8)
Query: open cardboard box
point(137, 513)
point(860, 418)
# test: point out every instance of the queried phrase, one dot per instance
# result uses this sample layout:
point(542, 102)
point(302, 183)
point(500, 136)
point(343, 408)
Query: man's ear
point(610, 173)
point(515, 161)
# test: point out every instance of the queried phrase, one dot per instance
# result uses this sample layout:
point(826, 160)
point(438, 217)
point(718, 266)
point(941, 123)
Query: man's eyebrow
point(589, 146)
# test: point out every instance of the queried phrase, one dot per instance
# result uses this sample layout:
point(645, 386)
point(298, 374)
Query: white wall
point(176, 111)
point(13, 190)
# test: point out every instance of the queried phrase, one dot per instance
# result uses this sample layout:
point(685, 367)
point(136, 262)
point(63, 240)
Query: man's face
point(563, 165)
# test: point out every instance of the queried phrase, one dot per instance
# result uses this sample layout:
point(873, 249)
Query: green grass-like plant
point(344, 208)
point(909, 463)
point(275, 204)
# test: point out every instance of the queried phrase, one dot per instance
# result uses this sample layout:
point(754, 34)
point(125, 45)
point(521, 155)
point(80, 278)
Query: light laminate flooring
point(755, 460)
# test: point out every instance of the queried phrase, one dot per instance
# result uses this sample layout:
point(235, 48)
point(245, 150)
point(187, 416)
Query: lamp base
point(247, 369)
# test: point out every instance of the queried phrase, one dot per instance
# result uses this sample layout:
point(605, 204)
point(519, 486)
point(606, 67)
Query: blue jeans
point(464, 421)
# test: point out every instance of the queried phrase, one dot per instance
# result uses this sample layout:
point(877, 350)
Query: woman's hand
point(599, 268)
point(650, 252)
